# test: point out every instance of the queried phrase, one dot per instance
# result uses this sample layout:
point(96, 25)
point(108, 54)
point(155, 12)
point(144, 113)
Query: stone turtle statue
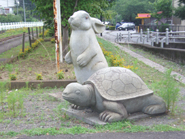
point(85, 53)
point(114, 92)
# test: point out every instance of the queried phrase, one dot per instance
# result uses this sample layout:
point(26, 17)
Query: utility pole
point(17, 3)
point(24, 11)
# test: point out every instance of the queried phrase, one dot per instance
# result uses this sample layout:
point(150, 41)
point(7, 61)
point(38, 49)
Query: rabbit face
point(80, 20)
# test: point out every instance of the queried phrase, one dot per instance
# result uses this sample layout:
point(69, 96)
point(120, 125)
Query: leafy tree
point(179, 11)
point(68, 7)
point(29, 7)
point(128, 9)
point(165, 6)
point(10, 18)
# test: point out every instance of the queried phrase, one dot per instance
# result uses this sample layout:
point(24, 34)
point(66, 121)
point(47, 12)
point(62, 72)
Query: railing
point(14, 25)
point(149, 37)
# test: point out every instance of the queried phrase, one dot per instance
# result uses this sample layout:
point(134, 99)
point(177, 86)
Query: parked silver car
point(127, 26)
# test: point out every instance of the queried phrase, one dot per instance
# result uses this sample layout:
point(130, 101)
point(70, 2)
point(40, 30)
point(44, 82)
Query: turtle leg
point(157, 106)
point(114, 111)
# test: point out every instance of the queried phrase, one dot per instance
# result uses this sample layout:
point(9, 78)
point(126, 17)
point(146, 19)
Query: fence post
point(43, 32)
point(141, 35)
point(148, 34)
point(37, 32)
point(128, 36)
point(120, 36)
point(157, 36)
point(32, 34)
point(167, 37)
point(29, 36)
point(23, 40)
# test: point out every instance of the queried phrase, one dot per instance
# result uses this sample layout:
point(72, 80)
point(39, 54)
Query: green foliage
point(179, 11)
point(52, 40)
point(122, 126)
point(9, 67)
point(60, 113)
point(45, 9)
point(111, 27)
point(10, 18)
point(12, 76)
point(60, 74)
point(3, 88)
point(162, 5)
point(127, 10)
point(163, 27)
point(169, 90)
point(38, 76)
point(15, 102)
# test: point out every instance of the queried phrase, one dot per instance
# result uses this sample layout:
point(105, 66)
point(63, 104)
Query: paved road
point(8, 44)
point(139, 135)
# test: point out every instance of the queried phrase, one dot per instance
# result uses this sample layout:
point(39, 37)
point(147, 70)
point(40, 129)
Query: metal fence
point(14, 25)
point(149, 37)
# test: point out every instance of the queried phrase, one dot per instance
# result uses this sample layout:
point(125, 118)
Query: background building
point(7, 6)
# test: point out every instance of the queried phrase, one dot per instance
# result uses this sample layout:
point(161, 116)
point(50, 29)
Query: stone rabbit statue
point(85, 52)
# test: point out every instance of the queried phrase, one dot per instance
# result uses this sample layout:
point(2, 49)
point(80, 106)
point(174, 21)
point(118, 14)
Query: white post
point(128, 36)
point(157, 36)
point(148, 33)
point(167, 37)
point(59, 30)
point(141, 35)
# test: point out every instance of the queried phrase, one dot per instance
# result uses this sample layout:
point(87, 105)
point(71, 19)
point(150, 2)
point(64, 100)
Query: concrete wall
point(173, 54)
point(172, 45)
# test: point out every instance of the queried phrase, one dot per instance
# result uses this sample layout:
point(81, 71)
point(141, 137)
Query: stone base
point(93, 117)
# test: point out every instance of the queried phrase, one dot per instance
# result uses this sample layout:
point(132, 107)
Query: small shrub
point(53, 40)
point(60, 74)
point(163, 27)
point(15, 102)
point(111, 27)
point(39, 76)
point(169, 90)
point(13, 76)
point(117, 61)
point(40, 35)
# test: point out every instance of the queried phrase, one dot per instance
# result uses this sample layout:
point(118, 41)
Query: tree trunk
point(65, 40)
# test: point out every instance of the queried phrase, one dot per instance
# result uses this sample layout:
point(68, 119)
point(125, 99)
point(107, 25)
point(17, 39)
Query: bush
point(10, 18)
point(13, 76)
point(169, 90)
point(163, 27)
point(39, 76)
point(111, 27)
point(60, 74)
point(52, 40)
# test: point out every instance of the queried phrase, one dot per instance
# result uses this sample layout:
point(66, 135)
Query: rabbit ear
point(97, 25)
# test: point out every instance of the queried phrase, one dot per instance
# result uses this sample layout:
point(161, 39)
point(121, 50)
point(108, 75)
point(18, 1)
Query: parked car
point(118, 24)
point(127, 26)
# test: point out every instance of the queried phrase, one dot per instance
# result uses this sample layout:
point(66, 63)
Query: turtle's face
point(77, 94)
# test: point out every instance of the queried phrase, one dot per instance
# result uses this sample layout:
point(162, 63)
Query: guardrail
point(14, 25)
point(149, 37)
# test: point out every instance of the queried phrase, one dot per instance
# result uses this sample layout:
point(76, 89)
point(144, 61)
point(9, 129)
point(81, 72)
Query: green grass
point(152, 75)
point(13, 51)
point(180, 68)
point(122, 126)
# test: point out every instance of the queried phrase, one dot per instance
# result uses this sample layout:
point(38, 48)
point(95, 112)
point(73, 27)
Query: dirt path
point(10, 43)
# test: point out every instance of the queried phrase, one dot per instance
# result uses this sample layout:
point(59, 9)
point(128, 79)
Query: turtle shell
point(117, 83)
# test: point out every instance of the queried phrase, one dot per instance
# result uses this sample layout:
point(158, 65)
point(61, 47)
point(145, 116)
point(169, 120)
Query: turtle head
point(77, 94)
